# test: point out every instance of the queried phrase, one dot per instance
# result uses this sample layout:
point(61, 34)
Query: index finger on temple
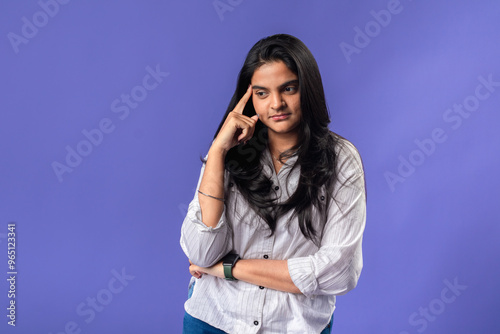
point(243, 101)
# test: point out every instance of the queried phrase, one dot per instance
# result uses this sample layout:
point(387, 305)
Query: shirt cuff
point(302, 274)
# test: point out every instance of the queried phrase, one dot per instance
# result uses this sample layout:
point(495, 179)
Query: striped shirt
point(320, 273)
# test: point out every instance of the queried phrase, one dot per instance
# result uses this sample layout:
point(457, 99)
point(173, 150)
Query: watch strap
point(228, 263)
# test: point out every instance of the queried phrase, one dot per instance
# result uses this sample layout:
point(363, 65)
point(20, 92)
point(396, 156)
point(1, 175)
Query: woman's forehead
point(273, 74)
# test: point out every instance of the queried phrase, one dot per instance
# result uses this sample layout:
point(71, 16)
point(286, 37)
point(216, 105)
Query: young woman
point(275, 228)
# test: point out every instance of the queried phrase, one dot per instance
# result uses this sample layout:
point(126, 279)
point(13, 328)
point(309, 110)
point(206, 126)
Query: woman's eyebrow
point(288, 83)
point(291, 82)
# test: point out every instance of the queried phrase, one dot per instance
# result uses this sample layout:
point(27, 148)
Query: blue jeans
point(196, 326)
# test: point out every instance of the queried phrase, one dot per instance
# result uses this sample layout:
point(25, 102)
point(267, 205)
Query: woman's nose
point(277, 102)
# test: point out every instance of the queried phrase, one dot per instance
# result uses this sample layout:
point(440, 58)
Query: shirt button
point(231, 184)
point(266, 256)
point(322, 198)
point(256, 323)
point(261, 287)
point(276, 188)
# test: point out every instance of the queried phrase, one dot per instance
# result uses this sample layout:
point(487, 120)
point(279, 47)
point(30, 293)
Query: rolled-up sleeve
point(204, 245)
point(335, 268)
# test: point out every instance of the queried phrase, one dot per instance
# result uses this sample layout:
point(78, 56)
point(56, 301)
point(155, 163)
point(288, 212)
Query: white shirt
point(319, 273)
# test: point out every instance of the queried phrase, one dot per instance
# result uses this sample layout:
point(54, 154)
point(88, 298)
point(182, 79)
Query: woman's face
point(276, 98)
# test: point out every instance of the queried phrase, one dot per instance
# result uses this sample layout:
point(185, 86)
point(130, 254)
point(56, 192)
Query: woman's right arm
point(212, 183)
point(204, 235)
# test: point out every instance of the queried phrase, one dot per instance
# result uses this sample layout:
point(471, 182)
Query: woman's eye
point(260, 94)
point(290, 89)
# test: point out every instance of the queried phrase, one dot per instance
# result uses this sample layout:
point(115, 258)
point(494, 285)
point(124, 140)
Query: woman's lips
point(280, 117)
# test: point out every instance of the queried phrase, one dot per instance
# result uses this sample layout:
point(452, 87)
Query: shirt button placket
point(267, 249)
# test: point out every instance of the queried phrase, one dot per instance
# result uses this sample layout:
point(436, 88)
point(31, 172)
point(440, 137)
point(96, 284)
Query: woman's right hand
point(237, 128)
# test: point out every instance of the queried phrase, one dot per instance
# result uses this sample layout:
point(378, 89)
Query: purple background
point(122, 206)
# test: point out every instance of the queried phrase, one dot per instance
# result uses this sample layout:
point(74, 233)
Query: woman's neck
point(279, 143)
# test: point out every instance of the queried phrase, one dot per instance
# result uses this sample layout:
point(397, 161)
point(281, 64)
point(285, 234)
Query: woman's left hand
point(216, 270)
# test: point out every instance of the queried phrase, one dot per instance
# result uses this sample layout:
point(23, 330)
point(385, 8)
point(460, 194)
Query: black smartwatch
point(228, 263)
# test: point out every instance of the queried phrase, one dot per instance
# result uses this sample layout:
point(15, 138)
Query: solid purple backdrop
point(107, 107)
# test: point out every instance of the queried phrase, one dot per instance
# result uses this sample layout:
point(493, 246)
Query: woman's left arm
point(335, 268)
point(272, 274)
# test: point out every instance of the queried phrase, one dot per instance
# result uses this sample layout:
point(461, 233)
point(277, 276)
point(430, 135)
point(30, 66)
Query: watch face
point(230, 259)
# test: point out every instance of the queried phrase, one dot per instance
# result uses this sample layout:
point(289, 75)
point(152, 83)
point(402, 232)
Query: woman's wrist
point(216, 150)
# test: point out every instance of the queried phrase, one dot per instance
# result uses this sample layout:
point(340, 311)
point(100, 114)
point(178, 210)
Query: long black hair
point(315, 149)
